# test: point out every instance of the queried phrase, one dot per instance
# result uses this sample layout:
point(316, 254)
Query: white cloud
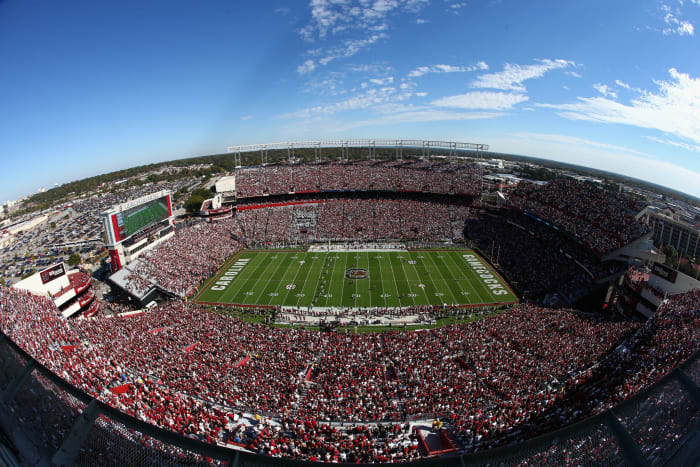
point(393, 105)
point(482, 66)
point(481, 100)
point(602, 156)
point(349, 48)
point(246, 117)
point(572, 73)
point(306, 67)
point(417, 116)
point(335, 16)
point(576, 141)
point(421, 21)
point(326, 84)
point(368, 98)
point(361, 22)
point(457, 5)
point(424, 70)
point(382, 81)
point(418, 72)
point(284, 11)
point(377, 69)
point(678, 144)
point(672, 110)
point(674, 25)
point(605, 90)
point(513, 76)
point(622, 84)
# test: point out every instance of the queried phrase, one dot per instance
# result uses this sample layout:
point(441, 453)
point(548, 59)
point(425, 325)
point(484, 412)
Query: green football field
point(139, 219)
point(356, 279)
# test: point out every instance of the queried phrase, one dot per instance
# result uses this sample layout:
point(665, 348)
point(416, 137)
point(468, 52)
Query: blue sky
point(91, 87)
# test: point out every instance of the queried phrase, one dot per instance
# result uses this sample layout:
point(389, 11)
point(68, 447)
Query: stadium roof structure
point(119, 279)
point(371, 144)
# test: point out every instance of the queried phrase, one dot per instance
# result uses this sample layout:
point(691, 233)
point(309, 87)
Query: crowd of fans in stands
point(603, 220)
point(498, 379)
point(340, 219)
point(528, 251)
point(431, 177)
point(182, 262)
point(503, 378)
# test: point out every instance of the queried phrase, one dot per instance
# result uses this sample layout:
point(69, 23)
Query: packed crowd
point(503, 378)
point(529, 251)
point(182, 262)
point(602, 219)
point(342, 219)
point(667, 339)
point(432, 177)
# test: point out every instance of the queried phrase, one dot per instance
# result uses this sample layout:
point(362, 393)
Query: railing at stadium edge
point(85, 430)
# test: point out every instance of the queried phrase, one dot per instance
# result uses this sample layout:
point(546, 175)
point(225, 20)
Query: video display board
point(130, 221)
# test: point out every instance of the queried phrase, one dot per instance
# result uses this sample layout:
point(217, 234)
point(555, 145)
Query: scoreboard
point(133, 227)
point(127, 219)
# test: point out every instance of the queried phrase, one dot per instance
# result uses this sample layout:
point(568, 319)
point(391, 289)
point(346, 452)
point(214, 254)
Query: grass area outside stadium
point(356, 279)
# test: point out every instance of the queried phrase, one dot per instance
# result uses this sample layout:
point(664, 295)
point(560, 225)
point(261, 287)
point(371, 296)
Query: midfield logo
point(356, 273)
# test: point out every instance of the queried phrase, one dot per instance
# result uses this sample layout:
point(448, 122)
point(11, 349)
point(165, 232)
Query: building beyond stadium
point(137, 226)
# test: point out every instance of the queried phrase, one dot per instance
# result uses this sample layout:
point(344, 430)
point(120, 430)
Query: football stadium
point(488, 335)
point(364, 278)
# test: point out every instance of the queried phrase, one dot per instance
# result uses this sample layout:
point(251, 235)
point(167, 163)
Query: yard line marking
point(331, 259)
point(407, 283)
point(369, 279)
point(342, 290)
point(419, 278)
point(301, 265)
point(473, 278)
point(301, 292)
point(262, 292)
point(381, 278)
point(454, 300)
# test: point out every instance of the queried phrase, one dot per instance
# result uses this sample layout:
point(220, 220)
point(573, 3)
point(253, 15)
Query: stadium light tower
point(317, 152)
point(399, 149)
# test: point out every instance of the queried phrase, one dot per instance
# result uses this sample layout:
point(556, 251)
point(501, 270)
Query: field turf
point(379, 279)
